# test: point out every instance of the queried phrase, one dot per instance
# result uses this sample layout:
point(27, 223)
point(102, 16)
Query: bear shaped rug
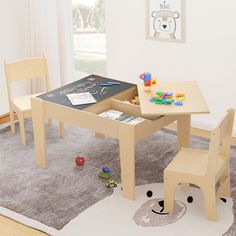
point(117, 216)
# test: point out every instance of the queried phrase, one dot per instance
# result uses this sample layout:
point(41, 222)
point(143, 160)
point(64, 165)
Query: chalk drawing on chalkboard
point(81, 88)
point(91, 79)
point(89, 87)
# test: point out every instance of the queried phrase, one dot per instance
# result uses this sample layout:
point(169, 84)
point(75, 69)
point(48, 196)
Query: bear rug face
point(145, 215)
point(152, 213)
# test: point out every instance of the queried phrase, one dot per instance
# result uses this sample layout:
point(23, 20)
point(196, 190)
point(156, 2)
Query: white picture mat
point(175, 5)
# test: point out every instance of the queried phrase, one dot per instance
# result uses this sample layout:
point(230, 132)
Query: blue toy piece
point(152, 100)
point(147, 76)
point(169, 94)
point(178, 104)
point(106, 170)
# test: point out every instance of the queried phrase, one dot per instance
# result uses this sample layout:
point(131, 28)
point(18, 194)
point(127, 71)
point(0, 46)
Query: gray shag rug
point(56, 195)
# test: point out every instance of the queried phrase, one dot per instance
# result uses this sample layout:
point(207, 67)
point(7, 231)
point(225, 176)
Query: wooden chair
point(19, 70)
point(205, 169)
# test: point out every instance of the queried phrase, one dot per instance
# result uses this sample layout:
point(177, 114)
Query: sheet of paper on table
point(121, 116)
point(81, 98)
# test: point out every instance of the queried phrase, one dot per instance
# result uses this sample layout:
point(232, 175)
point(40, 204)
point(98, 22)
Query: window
point(89, 36)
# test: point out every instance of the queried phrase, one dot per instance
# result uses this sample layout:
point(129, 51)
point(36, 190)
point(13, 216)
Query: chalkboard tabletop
point(91, 84)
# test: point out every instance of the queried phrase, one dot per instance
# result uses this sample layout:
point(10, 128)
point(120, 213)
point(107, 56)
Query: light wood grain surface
point(194, 103)
point(9, 227)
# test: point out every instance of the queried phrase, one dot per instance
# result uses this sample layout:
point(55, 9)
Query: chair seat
point(194, 162)
point(23, 103)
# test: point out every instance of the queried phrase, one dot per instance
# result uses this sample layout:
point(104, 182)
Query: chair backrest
point(220, 141)
point(26, 69)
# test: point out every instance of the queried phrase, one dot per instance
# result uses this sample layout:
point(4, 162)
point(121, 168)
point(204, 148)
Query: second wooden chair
point(25, 69)
point(203, 168)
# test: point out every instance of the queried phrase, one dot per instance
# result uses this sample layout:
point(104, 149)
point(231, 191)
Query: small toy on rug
point(104, 174)
point(111, 184)
point(149, 81)
point(106, 169)
point(79, 161)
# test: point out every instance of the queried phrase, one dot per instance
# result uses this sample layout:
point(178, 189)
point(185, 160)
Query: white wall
point(14, 43)
point(208, 56)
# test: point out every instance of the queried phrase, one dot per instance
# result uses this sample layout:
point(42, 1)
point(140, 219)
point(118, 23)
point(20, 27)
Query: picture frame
point(166, 20)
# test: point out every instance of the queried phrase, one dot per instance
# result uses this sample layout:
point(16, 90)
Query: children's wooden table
point(55, 105)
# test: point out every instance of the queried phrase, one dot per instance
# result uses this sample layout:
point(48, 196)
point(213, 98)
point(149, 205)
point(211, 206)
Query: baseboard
point(4, 118)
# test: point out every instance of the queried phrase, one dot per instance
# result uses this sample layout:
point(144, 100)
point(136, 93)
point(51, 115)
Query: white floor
point(114, 216)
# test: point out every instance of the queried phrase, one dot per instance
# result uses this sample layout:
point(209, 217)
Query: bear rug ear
point(155, 14)
point(176, 15)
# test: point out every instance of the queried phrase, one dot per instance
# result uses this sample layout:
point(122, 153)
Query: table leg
point(39, 132)
point(127, 160)
point(184, 131)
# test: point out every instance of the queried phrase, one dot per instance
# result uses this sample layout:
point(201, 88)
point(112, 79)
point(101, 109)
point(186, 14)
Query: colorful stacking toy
point(148, 81)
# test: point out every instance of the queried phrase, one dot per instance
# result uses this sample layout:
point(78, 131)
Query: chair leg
point(225, 181)
point(62, 129)
point(210, 202)
point(185, 187)
point(169, 194)
point(22, 129)
point(12, 121)
point(49, 122)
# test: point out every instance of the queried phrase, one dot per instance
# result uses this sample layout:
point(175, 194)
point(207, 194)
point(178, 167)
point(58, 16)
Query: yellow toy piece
point(180, 99)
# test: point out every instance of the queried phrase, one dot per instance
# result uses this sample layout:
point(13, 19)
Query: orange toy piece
point(177, 95)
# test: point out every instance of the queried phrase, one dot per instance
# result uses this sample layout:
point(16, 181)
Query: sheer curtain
point(51, 34)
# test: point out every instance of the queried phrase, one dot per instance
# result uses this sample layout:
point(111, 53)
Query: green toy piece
point(103, 175)
point(160, 93)
point(111, 184)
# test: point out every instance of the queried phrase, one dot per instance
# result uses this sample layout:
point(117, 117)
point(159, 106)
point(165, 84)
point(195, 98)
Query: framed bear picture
point(166, 20)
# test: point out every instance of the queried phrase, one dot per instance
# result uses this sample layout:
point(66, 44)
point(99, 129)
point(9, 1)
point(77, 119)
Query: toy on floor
point(167, 98)
point(106, 169)
point(79, 161)
point(104, 174)
point(111, 184)
point(149, 81)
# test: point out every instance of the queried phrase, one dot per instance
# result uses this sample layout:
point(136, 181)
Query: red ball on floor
point(79, 161)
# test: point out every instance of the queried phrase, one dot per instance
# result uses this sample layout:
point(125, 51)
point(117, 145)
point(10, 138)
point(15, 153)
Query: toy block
point(147, 83)
point(154, 81)
point(106, 169)
point(103, 175)
point(179, 95)
point(147, 90)
point(160, 93)
point(147, 76)
point(142, 76)
point(180, 99)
